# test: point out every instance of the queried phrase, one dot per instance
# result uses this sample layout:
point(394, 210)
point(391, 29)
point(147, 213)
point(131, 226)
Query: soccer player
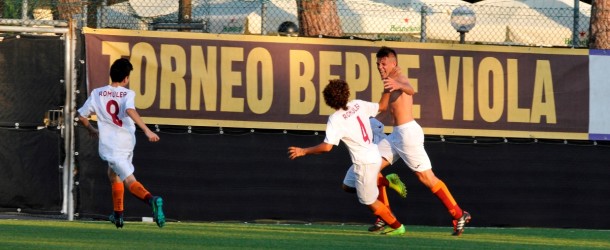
point(391, 180)
point(407, 138)
point(350, 124)
point(116, 113)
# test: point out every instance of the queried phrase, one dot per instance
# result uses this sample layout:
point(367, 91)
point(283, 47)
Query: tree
point(68, 8)
point(10, 9)
point(318, 17)
point(600, 25)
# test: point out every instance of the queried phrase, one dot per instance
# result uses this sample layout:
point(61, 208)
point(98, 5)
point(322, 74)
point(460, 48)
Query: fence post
point(185, 10)
point(24, 11)
point(424, 12)
point(69, 114)
point(85, 15)
point(99, 14)
point(575, 39)
point(263, 17)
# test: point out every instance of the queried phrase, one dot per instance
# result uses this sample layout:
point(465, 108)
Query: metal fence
point(528, 23)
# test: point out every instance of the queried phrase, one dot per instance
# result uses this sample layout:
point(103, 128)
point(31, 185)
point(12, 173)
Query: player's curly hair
point(120, 69)
point(336, 94)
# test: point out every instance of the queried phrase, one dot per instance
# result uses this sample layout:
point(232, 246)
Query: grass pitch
point(54, 234)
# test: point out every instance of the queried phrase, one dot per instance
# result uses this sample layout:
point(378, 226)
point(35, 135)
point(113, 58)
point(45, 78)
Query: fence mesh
point(528, 23)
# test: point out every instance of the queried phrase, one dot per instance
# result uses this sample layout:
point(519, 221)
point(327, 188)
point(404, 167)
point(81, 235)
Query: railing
point(558, 23)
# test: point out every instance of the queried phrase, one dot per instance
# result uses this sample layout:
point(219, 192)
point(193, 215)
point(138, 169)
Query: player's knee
point(129, 180)
point(384, 163)
point(348, 189)
point(427, 178)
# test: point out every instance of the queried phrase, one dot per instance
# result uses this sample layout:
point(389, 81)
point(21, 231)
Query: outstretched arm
point(138, 120)
point(295, 152)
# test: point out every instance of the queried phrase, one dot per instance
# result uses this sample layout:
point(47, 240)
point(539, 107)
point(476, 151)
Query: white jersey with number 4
point(116, 128)
point(352, 126)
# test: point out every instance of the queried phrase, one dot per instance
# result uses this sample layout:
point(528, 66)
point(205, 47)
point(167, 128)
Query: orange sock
point(442, 192)
point(383, 195)
point(117, 196)
point(382, 181)
point(139, 191)
point(386, 215)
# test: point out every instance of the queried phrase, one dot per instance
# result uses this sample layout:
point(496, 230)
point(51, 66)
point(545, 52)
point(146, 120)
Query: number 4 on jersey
point(365, 135)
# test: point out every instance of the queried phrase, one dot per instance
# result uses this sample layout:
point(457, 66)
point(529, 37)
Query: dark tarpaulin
point(247, 176)
point(31, 74)
point(30, 175)
point(31, 70)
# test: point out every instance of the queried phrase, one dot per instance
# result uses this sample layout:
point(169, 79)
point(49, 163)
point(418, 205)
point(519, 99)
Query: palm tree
point(600, 25)
point(318, 17)
point(67, 8)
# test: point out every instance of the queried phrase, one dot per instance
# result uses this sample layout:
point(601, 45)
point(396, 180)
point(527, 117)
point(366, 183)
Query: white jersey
point(352, 126)
point(116, 128)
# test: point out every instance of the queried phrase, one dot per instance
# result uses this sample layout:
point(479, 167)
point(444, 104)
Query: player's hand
point(93, 132)
point(389, 84)
point(295, 152)
point(152, 137)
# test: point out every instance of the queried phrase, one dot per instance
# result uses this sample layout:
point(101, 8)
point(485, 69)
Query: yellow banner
point(197, 79)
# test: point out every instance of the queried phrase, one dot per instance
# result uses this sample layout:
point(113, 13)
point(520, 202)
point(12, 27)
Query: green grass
point(53, 234)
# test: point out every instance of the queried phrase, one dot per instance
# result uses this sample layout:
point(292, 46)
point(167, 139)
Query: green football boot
point(397, 185)
point(398, 231)
point(158, 215)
